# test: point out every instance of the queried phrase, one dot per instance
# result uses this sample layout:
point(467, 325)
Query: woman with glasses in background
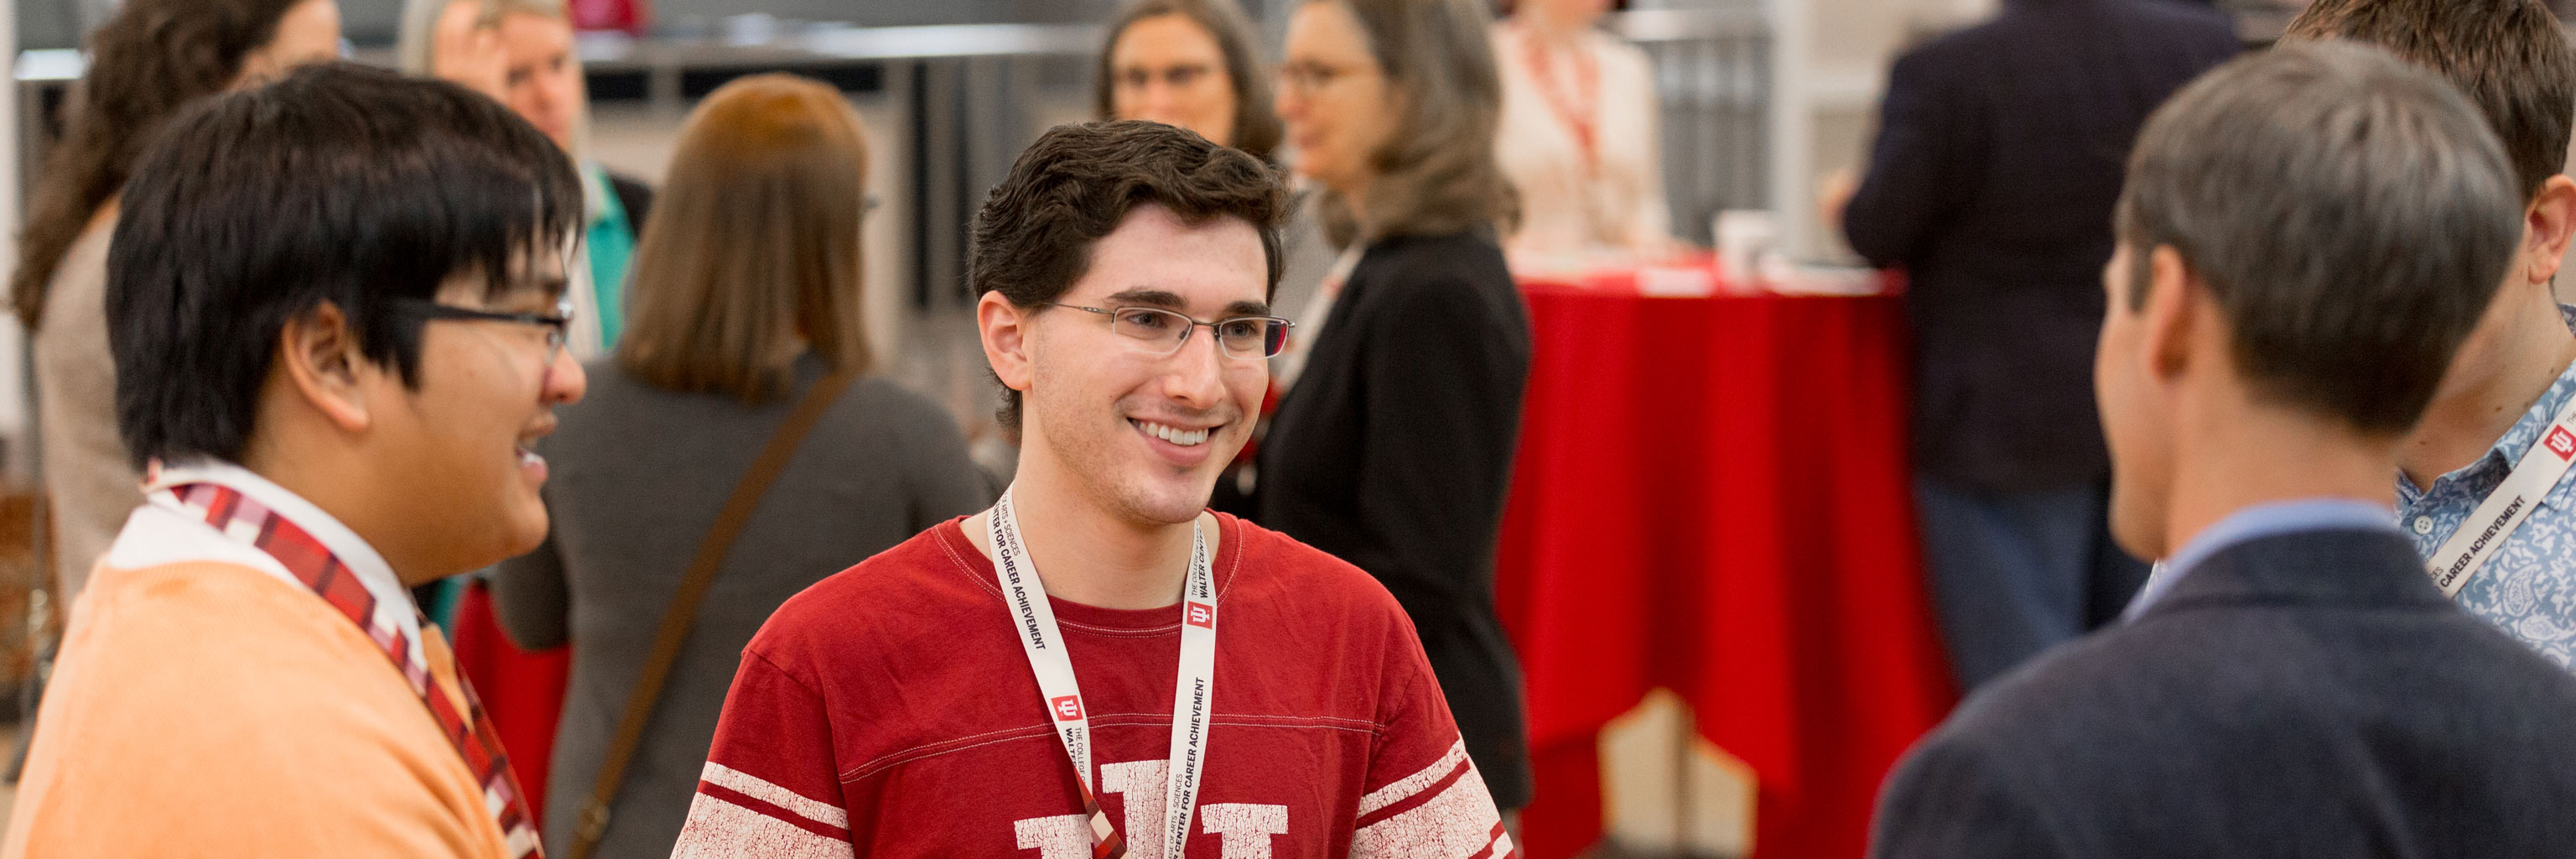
point(1393, 448)
point(747, 300)
point(153, 58)
point(1191, 63)
point(1188, 63)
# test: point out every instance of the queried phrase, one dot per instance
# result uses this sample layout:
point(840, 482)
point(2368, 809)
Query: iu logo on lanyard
point(1193, 687)
point(2562, 442)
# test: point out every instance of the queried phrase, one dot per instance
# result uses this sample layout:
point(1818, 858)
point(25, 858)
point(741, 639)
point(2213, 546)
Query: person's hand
point(465, 49)
point(1834, 193)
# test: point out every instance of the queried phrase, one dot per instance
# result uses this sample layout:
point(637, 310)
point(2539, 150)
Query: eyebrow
point(1170, 301)
point(552, 287)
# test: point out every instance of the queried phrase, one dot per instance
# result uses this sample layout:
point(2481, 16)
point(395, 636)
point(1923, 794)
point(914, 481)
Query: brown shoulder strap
point(683, 611)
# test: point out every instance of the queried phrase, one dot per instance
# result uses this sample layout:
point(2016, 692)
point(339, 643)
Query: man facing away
point(1991, 181)
point(2479, 490)
point(1097, 666)
point(2297, 686)
point(333, 305)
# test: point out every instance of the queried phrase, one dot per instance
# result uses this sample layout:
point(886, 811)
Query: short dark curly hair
point(2510, 57)
point(1033, 237)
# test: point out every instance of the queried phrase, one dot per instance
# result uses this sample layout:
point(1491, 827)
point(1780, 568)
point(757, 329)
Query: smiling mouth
point(1173, 434)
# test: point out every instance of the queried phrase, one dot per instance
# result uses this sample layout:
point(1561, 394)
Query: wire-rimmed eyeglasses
point(1161, 332)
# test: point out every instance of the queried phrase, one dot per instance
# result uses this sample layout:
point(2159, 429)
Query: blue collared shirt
point(2253, 523)
point(2528, 587)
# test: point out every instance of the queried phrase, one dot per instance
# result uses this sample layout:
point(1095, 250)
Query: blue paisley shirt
point(2528, 588)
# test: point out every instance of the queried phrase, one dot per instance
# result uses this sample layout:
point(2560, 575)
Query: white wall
point(1830, 64)
point(18, 439)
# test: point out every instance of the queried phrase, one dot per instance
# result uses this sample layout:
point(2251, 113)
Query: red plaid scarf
point(251, 522)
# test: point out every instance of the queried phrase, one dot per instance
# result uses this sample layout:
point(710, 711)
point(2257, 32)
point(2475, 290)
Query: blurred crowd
point(395, 340)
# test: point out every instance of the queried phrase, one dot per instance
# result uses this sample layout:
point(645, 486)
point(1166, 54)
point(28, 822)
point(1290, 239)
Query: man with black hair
point(1004, 683)
point(2482, 485)
point(334, 305)
point(2295, 685)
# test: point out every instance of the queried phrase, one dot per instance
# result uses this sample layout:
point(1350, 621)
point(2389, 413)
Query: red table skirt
point(1712, 496)
point(522, 690)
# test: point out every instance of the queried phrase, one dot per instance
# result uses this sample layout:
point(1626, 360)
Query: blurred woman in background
point(1393, 448)
point(153, 58)
point(1189, 63)
point(747, 299)
point(1581, 139)
point(520, 52)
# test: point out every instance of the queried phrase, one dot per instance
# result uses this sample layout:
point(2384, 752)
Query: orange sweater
point(203, 708)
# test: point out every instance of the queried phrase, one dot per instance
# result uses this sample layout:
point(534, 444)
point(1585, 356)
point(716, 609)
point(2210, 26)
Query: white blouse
point(1573, 202)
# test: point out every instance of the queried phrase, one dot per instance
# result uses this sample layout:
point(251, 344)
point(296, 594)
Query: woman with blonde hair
point(1393, 447)
point(747, 316)
point(520, 52)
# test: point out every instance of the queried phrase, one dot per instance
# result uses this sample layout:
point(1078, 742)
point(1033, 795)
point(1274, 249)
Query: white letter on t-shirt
point(1246, 827)
point(1065, 836)
point(1142, 783)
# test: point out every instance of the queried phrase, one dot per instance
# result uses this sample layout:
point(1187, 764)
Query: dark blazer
point(1999, 156)
point(635, 197)
point(2303, 695)
point(1393, 452)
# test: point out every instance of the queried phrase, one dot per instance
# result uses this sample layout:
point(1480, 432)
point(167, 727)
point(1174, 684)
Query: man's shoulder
point(919, 585)
point(274, 682)
point(2216, 678)
point(1275, 568)
point(2281, 713)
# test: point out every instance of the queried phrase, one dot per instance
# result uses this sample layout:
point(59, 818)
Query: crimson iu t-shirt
point(889, 711)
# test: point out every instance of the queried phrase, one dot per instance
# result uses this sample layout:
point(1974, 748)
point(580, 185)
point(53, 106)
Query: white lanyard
point(2506, 507)
point(1191, 695)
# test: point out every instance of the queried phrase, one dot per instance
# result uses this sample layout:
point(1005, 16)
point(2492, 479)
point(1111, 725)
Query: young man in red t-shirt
point(1131, 654)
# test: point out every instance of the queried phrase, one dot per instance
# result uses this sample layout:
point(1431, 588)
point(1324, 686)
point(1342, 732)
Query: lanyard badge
point(1193, 693)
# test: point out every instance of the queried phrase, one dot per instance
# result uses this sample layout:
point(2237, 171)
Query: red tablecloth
point(1712, 496)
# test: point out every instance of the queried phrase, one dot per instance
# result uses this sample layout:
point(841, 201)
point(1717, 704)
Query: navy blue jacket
point(2305, 695)
point(1999, 157)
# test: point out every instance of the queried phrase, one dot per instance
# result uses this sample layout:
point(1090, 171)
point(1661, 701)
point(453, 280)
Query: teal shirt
point(611, 241)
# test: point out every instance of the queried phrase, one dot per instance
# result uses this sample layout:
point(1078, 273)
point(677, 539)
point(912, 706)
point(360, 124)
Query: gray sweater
point(637, 476)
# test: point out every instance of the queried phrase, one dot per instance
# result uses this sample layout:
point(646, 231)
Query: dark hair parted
point(1436, 173)
point(2350, 214)
point(1033, 237)
point(2510, 57)
point(1256, 124)
point(337, 185)
point(144, 64)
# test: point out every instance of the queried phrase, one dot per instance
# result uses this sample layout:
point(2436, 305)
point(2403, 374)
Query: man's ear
point(2548, 224)
point(323, 365)
point(1005, 330)
point(2172, 313)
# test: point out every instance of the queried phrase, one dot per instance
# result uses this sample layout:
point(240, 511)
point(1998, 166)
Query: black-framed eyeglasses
point(1160, 332)
point(557, 325)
